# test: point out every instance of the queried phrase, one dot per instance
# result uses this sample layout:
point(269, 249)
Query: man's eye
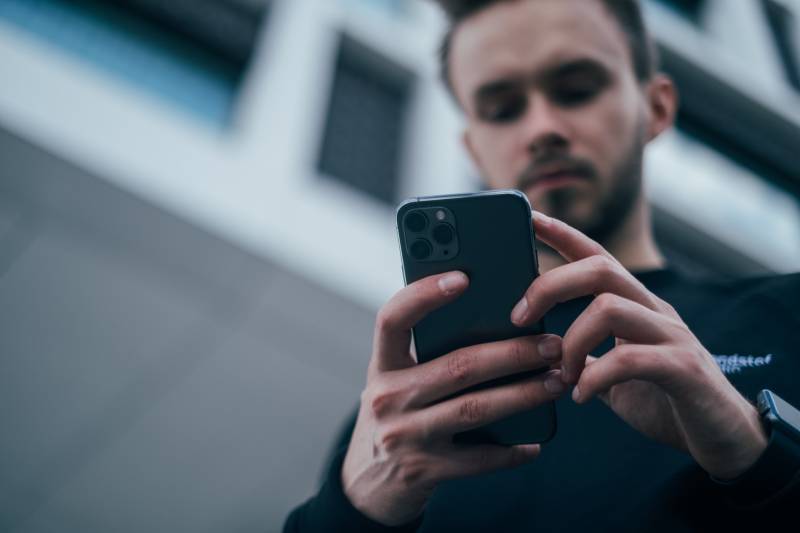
point(575, 95)
point(504, 110)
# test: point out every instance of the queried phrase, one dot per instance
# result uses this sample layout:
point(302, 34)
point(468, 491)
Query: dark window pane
point(691, 9)
point(784, 29)
point(364, 130)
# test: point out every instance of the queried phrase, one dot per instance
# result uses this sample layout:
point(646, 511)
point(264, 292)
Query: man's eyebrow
point(575, 66)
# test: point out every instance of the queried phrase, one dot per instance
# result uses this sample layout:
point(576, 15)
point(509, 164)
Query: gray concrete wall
point(152, 376)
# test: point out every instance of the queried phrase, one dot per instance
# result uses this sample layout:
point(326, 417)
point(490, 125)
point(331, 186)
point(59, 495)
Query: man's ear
point(662, 101)
point(466, 140)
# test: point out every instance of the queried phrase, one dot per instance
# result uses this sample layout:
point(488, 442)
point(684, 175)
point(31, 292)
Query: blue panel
point(133, 50)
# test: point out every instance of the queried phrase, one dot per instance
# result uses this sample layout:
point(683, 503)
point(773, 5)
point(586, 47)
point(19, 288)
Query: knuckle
point(678, 329)
point(519, 352)
point(603, 268)
point(601, 265)
point(607, 303)
point(384, 321)
point(412, 471)
point(627, 358)
point(666, 307)
point(381, 405)
point(471, 411)
point(390, 438)
point(690, 361)
point(461, 366)
point(381, 400)
point(660, 305)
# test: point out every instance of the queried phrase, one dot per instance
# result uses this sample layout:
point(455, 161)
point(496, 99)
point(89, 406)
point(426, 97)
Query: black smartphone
point(488, 236)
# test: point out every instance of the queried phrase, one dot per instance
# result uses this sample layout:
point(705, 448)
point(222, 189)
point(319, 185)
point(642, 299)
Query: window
point(364, 132)
point(690, 9)
point(191, 53)
point(784, 29)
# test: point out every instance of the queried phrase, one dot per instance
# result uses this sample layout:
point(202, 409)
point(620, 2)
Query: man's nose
point(544, 126)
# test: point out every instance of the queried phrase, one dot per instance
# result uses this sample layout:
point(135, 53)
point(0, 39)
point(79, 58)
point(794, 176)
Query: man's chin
point(564, 204)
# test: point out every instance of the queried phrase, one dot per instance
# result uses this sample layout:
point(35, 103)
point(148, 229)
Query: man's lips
point(556, 179)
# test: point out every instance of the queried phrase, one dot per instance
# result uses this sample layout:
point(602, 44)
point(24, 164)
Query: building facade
point(197, 226)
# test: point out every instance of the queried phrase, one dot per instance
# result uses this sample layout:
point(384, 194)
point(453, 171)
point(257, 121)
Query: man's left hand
point(658, 377)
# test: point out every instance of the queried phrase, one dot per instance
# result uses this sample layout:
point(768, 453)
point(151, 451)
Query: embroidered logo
point(733, 364)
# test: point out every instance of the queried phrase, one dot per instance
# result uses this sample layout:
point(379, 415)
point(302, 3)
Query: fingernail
point(553, 384)
point(564, 374)
point(576, 393)
point(451, 282)
point(519, 311)
point(550, 349)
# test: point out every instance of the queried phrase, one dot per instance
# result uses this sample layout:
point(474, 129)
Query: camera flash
point(440, 215)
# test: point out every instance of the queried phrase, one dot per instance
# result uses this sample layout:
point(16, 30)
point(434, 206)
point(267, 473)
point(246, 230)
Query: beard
point(599, 216)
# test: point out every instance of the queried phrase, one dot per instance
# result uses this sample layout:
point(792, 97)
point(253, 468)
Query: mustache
point(540, 166)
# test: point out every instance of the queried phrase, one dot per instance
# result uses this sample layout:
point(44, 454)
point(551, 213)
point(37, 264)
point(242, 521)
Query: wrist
point(354, 515)
point(746, 451)
point(776, 473)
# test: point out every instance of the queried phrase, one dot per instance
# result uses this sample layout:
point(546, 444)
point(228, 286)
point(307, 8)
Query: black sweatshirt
point(598, 473)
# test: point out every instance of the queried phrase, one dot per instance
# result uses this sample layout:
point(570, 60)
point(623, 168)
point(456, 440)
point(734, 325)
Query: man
point(561, 97)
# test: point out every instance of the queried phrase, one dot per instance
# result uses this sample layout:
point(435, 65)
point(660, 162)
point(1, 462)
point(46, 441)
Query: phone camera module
point(416, 221)
point(443, 234)
point(421, 249)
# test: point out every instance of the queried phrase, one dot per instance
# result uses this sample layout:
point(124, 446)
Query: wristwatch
point(777, 470)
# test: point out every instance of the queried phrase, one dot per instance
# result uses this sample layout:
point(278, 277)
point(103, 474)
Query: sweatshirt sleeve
point(330, 510)
point(774, 479)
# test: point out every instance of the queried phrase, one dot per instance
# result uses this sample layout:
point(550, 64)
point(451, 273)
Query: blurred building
point(196, 227)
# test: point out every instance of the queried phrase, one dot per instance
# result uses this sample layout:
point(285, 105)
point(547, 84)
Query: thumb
point(402, 312)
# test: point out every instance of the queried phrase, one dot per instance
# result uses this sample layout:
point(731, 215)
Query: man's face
point(553, 108)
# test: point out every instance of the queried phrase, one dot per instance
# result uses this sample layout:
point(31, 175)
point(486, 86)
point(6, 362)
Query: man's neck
point(633, 244)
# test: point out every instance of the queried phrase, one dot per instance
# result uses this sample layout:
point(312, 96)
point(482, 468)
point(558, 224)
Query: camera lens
point(443, 234)
point(421, 249)
point(416, 221)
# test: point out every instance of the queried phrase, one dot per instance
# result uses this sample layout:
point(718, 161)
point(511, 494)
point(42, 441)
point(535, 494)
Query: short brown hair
point(627, 13)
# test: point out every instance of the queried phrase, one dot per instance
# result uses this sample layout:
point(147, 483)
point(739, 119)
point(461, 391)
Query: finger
point(396, 318)
point(589, 276)
point(570, 243)
point(476, 409)
point(624, 363)
point(469, 366)
point(604, 394)
point(469, 460)
point(611, 315)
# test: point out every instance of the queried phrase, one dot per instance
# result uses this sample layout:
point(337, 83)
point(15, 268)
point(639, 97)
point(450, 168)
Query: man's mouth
point(554, 179)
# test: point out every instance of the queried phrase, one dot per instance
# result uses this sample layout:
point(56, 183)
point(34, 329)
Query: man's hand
point(658, 377)
point(402, 445)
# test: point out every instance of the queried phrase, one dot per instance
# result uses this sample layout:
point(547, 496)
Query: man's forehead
point(525, 37)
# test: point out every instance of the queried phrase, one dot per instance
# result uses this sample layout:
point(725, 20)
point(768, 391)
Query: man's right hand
point(402, 446)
